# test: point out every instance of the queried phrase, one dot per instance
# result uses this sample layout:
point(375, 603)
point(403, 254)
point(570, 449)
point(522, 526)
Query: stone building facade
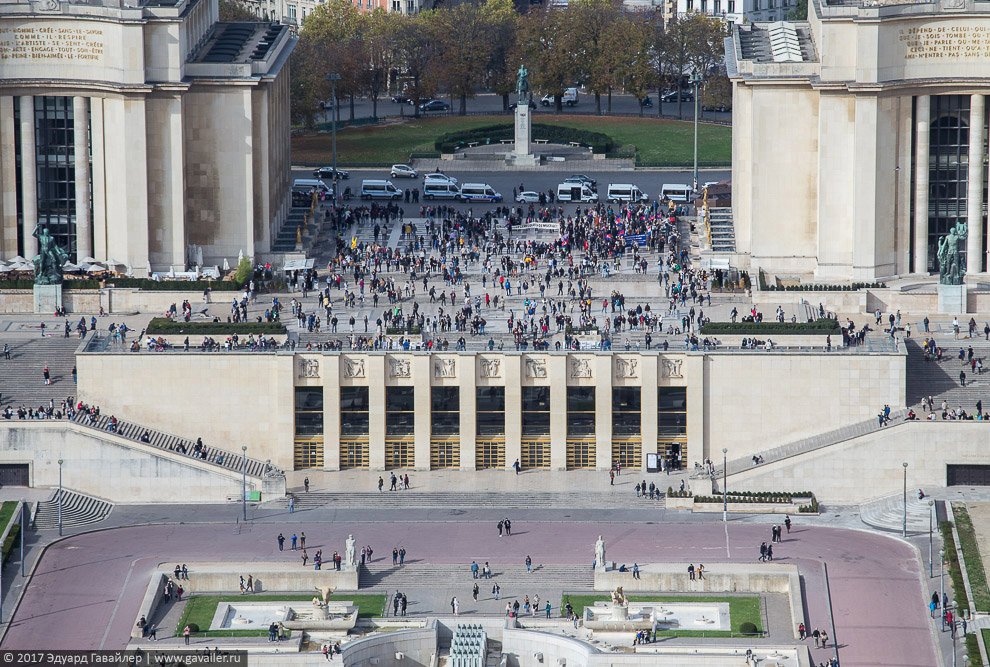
point(860, 138)
point(138, 130)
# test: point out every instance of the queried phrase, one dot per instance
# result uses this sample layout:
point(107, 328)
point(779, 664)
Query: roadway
point(649, 181)
point(621, 104)
point(86, 590)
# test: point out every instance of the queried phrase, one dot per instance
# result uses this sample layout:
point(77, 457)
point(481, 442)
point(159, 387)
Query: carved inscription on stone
point(399, 368)
point(580, 368)
point(536, 368)
point(490, 368)
point(671, 368)
point(51, 41)
point(945, 42)
point(353, 368)
point(626, 368)
point(445, 368)
point(309, 368)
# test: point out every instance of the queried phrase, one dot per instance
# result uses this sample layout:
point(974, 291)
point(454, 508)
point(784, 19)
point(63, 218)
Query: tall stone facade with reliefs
point(142, 132)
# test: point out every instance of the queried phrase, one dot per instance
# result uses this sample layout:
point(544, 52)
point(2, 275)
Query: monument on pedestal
point(522, 153)
point(47, 272)
point(600, 554)
point(951, 289)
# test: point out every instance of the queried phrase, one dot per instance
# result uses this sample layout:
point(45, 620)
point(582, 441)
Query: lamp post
point(941, 583)
point(244, 480)
point(60, 497)
point(23, 524)
point(696, 80)
point(904, 525)
point(931, 531)
point(725, 491)
point(334, 113)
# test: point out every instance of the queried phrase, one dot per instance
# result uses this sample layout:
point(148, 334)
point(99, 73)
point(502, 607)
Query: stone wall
point(393, 649)
point(107, 466)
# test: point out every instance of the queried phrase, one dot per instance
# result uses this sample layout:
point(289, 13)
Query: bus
point(677, 192)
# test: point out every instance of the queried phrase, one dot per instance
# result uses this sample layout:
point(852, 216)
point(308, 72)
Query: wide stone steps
point(382, 574)
point(887, 513)
point(456, 500)
point(77, 510)
point(21, 377)
point(161, 440)
point(941, 379)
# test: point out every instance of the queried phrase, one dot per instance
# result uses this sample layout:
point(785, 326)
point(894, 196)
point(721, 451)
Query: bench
point(472, 144)
point(540, 141)
point(575, 144)
point(507, 141)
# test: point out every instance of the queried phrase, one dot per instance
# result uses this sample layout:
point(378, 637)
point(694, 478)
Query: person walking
point(816, 635)
point(47, 374)
point(701, 571)
point(305, 557)
point(474, 569)
point(295, 539)
point(496, 589)
point(153, 633)
point(281, 541)
point(474, 592)
point(529, 565)
point(548, 608)
point(185, 634)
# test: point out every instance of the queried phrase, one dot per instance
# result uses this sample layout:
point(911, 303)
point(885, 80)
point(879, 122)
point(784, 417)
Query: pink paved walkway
point(87, 589)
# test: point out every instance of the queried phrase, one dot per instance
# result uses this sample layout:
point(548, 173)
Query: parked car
point(434, 105)
point(716, 107)
point(568, 98)
point(686, 96)
point(403, 170)
point(401, 99)
point(512, 107)
point(582, 178)
point(326, 173)
point(528, 197)
point(439, 176)
point(547, 100)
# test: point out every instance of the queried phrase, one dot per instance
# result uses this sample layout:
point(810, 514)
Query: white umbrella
point(69, 267)
point(93, 267)
point(226, 264)
point(4, 268)
point(87, 260)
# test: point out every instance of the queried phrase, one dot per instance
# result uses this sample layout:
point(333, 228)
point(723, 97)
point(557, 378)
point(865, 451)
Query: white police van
point(479, 192)
point(379, 190)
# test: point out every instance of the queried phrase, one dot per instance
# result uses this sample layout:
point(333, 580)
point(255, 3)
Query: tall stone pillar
point(513, 407)
point(84, 225)
point(974, 196)
point(422, 380)
point(29, 177)
point(922, 117)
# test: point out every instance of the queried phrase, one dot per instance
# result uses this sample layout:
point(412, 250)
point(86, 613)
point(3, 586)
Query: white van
point(625, 192)
point(678, 192)
point(379, 190)
point(436, 189)
point(576, 192)
point(479, 192)
point(307, 185)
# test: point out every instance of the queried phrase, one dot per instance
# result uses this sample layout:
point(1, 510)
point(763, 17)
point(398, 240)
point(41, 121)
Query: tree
point(635, 71)
point(380, 32)
point(545, 45)
point(502, 25)
point(590, 24)
point(459, 33)
point(799, 12)
point(415, 53)
point(328, 43)
point(231, 10)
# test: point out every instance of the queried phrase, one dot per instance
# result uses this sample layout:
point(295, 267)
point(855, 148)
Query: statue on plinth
point(325, 592)
point(522, 84)
point(618, 597)
point(49, 260)
point(600, 553)
point(950, 271)
point(350, 553)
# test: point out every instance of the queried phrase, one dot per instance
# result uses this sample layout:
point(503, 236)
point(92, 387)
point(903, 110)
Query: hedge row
point(824, 326)
point(823, 287)
point(161, 326)
point(13, 539)
point(28, 283)
point(599, 143)
point(146, 284)
point(955, 569)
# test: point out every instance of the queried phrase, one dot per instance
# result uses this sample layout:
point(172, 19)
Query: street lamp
point(931, 530)
point(244, 480)
point(696, 80)
point(725, 490)
point(23, 525)
point(60, 497)
point(334, 115)
point(941, 583)
point(904, 525)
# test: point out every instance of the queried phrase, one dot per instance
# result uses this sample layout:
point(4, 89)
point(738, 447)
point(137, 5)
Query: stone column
point(974, 196)
point(422, 371)
point(29, 177)
point(558, 411)
point(513, 407)
point(648, 398)
point(84, 227)
point(331, 407)
point(377, 377)
point(469, 410)
point(603, 411)
point(922, 116)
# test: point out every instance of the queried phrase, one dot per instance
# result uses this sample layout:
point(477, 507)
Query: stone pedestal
point(951, 299)
point(524, 131)
point(620, 612)
point(47, 298)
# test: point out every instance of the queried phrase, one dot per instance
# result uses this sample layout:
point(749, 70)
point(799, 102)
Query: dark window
point(400, 410)
point(54, 137)
point(445, 410)
point(626, 411)
point(309, 410)
point(535, 411)
point(354, 411)
point(490, 407)
point(580, 411)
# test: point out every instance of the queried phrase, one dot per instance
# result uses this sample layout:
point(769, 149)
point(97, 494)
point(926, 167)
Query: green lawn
point(6, 512)
point(741, 609)
point(656, 141)
point(200, 610)
point(971, 552)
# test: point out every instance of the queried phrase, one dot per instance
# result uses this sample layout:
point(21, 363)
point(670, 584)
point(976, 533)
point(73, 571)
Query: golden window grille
point(489, 453)
point(580, 453)
point(307, 452)
point(400, 453)
point(445, 453)
point(535, 453)
point(354, 453)
point(628, 452)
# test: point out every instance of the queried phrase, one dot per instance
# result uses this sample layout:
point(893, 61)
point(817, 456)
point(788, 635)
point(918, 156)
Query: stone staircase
point(382, 574)
point(723, 233)
point(460, 500)
point(809, 444)
point(941, 379)
point(887, 513)
point(161, 440)
point(21, 378)
point(77, 510)
point(285, 240)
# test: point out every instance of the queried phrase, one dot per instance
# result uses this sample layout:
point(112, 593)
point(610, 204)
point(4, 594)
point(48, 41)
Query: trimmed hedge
point(748, 628)
point(13, 539)
point(403, 331)
point(66, 285)
point(162, 326)
point(955, 571)
point(817, 287)
point(450, 142)
point(824, 326)
point(174, 285)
